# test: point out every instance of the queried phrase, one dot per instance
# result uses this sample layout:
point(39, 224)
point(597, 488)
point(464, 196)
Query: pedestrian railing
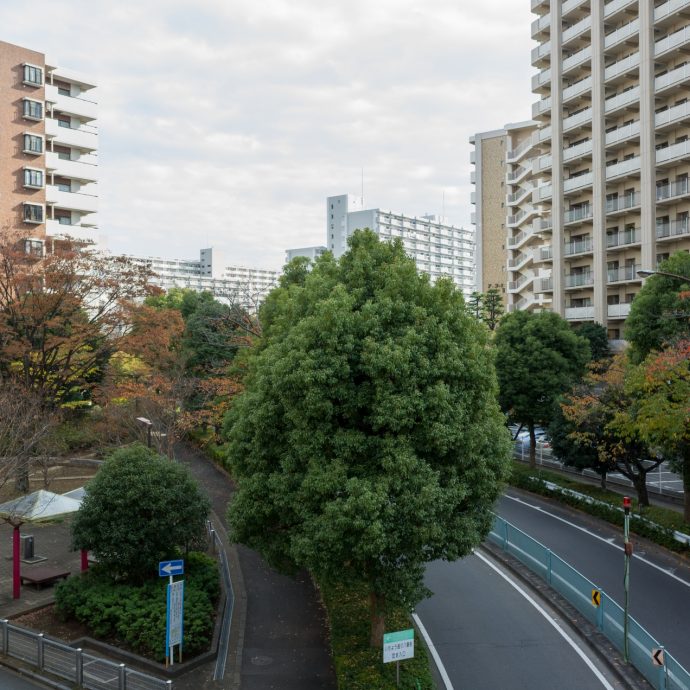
point(73, 665)
point(608, 617)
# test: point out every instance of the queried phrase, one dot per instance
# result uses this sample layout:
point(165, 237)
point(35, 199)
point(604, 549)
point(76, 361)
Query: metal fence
point(608, 617)
point(229, 603)
point(73, 665)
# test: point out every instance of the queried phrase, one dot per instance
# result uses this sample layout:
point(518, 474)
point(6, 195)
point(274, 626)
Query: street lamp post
point(645, 273)
point(148, 424)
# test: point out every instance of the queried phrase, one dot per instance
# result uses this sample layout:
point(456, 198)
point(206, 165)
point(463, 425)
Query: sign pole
point(171, 650)
point(626, 576)
point(397, 673)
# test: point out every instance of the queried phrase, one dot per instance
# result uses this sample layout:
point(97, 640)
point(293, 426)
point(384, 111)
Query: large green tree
point(598, 339)
point(660, 313)
point(139, 509)
point(492, 308)
point(538, 358)
point(368, 441)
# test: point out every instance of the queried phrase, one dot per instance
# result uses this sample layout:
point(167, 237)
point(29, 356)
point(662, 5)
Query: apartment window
point(662, 145)
point(63, 186)
point(33, 247)
point(33, 178)
point(613, 299)
point(63, 217)
point(33, 213)
point(629, 297)
point(33, 144)
point(33, 76)
point(661, 257)
point(613, 333)
point(32, 110)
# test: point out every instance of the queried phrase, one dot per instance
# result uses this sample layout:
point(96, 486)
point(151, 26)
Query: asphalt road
point(659, 582)
point(489, 636)
point(11, 681)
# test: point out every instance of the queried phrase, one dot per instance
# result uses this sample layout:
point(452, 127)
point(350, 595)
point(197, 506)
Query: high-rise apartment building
point(48, 148)
point(438, 249)
point(610, 159)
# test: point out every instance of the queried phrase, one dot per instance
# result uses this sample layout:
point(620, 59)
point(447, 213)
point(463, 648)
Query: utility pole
point(627, 550)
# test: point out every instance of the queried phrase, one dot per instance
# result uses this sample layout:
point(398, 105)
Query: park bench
point(44, 575)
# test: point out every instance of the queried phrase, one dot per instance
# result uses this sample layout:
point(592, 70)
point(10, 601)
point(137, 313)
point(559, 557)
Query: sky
point(227, 123)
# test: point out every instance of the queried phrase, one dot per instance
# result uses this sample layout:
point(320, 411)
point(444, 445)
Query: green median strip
point(655, 523)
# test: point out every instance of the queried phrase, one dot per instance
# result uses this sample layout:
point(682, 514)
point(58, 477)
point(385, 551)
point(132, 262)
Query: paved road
point(659, 582)
point(11, 681)
point(489, 636)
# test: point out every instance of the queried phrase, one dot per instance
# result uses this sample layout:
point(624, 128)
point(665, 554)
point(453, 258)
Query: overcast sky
point(226, 123)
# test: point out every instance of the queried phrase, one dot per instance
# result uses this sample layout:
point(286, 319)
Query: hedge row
point(641, 526)
point(134, 617)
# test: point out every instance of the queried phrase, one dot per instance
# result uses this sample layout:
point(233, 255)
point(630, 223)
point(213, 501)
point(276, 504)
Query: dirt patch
point(46, 620)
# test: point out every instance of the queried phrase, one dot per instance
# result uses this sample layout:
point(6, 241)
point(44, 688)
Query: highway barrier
point(647, 655)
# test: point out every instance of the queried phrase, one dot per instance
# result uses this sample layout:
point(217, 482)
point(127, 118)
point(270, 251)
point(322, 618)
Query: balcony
point(78, 231)
point(622, 67)
point(576, 280)
point(77, 170)
point(670, 9)
point(75, 201)
point(624, 168)
point(542, 163)
point(569, 6)
point(622, 100)
point(541, 52)
point(574, 215)
point(543, 224)
point(577, 30)
point(615, 6)
point(541, 79)
point(85, 137)
point(577, 59)
point(619, 35)
point(545, 253)
point(543, 192)
point(573, 184)
point(545, 134)
point(672, 42)
point(623, 275)
point(540, 107)
point(618, 311)
point(577, 119)
point(671, 155)
point(621, 134)
point(672, 191)
point(543, 284)
point(71, 105)
point(583, 246)
point(673, 79)
point(672, 116)
point(541, 24)
point(622, 239)
point(623, 203)
point(579, 88)
point(579, 313)
point(673, 229)
point(574, 152)
point(473, 177)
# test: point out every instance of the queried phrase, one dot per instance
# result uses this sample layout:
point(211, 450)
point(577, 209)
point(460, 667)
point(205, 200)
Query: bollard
point(122, 677)
point(213, 540)
point(5, 632)
point(79, 668)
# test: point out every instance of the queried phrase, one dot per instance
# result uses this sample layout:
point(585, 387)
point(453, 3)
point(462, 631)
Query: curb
point(602, 648)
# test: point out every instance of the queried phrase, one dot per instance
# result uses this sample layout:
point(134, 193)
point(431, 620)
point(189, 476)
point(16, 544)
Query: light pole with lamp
point(645, 273)
point(148, 424)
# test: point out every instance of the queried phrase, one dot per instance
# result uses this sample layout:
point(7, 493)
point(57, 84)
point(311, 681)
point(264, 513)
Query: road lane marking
point(596, 536)
point(430, 646)
point(548, 617)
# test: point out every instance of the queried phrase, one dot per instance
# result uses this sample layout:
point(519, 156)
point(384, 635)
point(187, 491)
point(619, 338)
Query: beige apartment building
point(48, 148)
point(610, 158)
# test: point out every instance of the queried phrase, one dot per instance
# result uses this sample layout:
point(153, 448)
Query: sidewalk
point(279, 639)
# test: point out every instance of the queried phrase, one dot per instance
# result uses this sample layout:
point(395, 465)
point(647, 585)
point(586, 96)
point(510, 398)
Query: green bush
point(135, 616)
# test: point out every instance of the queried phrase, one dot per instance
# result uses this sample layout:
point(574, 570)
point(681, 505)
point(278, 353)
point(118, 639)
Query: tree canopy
point(660, 312)
point(368, 440)
point(538, 357)
point(596, 335)
point(139, 509)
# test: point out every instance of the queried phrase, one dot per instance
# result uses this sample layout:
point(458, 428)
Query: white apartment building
point(246, 287)
point(311, 253)
point(610, 159)
point(438, 249)
point(48, 147)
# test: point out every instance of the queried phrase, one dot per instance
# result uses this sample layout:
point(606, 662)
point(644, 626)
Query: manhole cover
point(261, 660)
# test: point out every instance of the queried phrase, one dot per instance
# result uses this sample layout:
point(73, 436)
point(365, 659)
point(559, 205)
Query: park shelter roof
point(40, 505)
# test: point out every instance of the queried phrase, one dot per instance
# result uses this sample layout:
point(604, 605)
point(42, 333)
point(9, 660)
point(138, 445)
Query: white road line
point(546, 615)
point(596, 536)
point(430, 645)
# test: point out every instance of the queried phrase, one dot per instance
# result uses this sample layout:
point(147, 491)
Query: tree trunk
point(602, 480)
point(532, 446)
point(378, 619)
point(640, 483)
point(22, 478)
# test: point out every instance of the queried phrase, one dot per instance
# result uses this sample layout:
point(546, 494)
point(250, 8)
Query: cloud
point(228, 123)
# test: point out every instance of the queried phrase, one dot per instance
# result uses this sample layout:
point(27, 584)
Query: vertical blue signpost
point(175, 608)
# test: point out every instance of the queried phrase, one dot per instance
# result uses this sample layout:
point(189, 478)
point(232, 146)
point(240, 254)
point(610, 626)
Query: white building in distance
point(438, 249)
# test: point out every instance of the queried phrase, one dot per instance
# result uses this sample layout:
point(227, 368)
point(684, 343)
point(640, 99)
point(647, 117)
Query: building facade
point(246, 287)
point(608, 164)
point(438, 249)
point(48, 148)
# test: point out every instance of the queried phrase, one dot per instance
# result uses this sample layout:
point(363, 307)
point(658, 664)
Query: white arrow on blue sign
point(169, 568)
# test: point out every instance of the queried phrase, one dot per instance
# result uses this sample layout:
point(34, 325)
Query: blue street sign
point(169, 568)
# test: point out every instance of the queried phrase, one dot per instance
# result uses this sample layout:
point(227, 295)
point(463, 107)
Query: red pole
point(16, 574)
point(84, 560)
